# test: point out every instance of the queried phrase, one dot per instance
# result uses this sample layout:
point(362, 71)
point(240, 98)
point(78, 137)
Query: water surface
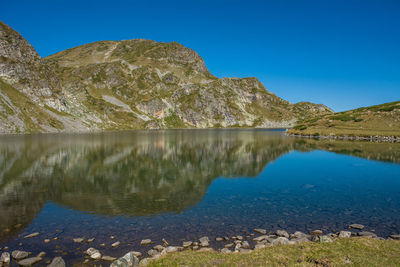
point(184, 184)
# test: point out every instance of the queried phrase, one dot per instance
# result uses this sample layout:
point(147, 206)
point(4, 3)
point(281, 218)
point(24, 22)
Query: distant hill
point(380, 120)
point(132, 84)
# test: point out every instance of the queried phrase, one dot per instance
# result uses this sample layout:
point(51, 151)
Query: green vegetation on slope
point(379, 120)
point(352, 252)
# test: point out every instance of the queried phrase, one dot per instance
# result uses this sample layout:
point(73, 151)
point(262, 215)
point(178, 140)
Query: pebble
point(356, 226)
point(260, 231)
point(57, 262)
point(90, 240)
point(186, 244)
point(5, 257)
point(78, 240)
point(108, 258)
point(41, 254)
point(116, 244)
point(32, 235)
point(344, 234)
point(165, 242)
point(145, 242)
point(316, 232)
point(219, 239)
point(47, 241)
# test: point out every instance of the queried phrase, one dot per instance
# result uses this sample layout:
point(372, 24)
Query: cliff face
point(133, 84)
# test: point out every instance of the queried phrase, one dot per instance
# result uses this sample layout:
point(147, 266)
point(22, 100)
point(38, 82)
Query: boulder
point(366, 234)
point(204, 241)
point(171, 249)
point(282, 233)
point(128, 260)
point(344, 234)
point(280, 241)
point(93, 253)
point(226, 250)
point(186, 244)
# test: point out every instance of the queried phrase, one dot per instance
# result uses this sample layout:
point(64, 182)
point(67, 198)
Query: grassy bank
point(379, 120)
point(347, 251)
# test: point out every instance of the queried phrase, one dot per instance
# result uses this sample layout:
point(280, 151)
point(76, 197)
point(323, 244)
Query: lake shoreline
point(258, 240)
point(390, 139)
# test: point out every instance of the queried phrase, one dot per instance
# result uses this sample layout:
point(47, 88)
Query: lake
point(185, 184)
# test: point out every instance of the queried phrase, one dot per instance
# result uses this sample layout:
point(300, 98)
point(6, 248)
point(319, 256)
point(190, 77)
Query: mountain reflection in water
point(140, 173)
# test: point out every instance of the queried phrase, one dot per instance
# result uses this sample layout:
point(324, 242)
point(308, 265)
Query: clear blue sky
point(342, 53)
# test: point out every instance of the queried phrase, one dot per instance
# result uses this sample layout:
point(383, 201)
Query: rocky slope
point(374, 121)
point(132, 84)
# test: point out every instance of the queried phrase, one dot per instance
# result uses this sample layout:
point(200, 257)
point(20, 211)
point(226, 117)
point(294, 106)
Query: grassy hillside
point(380, 120)
point(343, 252)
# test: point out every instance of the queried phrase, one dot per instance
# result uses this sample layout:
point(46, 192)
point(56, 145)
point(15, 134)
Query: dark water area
point(185, 184)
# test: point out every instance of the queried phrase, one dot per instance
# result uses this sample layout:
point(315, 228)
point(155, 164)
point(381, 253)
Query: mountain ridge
point(130, 84)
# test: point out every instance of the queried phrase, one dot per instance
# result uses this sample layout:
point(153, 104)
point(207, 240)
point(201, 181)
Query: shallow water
point(184, 184)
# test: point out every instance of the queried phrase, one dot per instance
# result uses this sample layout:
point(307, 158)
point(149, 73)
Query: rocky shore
point(391, 139)
point(259, 239)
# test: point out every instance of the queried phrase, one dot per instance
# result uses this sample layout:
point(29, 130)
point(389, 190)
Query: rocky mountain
point(132, 84)
point(376, 121)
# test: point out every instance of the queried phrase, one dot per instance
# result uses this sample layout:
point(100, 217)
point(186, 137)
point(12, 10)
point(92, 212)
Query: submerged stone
point(20, 255)
point(57, 262)
point(356, 226)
